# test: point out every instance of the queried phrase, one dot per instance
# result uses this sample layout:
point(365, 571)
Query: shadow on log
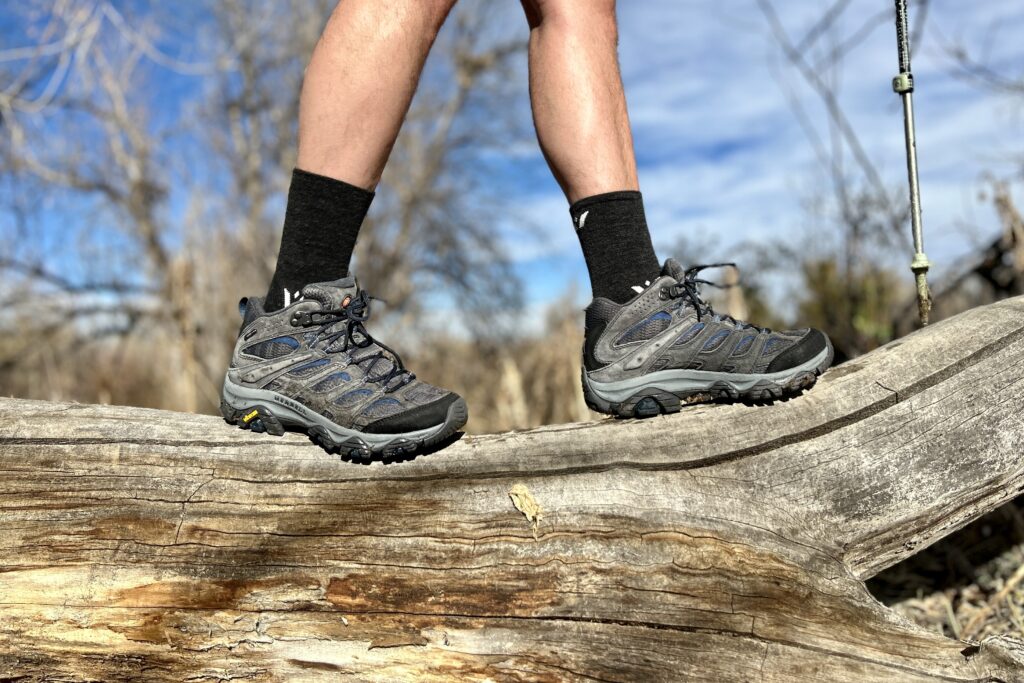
point(723, 543)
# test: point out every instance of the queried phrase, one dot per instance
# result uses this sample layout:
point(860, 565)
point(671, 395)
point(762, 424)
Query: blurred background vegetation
point(145, 150)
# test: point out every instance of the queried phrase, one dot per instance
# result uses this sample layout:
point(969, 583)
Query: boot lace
point(687, 291)
point(342, 329)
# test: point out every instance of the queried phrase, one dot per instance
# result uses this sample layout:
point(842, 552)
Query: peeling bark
point(723, 543)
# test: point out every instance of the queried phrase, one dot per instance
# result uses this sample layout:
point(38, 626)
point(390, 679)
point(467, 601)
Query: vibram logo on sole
point(249, 418)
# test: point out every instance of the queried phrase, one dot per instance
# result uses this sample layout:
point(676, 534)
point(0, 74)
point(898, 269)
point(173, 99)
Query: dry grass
point(969, 585)
point(520, 384)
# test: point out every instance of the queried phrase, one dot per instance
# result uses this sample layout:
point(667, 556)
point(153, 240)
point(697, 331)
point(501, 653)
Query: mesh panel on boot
point(715, 341)
point(383, 408)
point(688, 336)
point(309, 369)
point(272, 348)
point(774, 344)
point(743, 346)
point(352, 397)
point(646, 329)
point(423, 393)
point(330, 382)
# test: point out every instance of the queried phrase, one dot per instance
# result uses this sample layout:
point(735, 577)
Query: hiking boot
point(667, 347)
point(313, 366)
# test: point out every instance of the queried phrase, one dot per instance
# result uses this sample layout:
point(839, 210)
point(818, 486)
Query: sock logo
point(581, 220)
point(290, 298)
point(639, 289)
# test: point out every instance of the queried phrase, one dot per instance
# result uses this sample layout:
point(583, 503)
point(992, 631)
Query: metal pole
point(903, 84)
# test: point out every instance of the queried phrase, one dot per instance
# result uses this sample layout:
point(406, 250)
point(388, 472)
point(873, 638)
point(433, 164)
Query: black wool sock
point(321, 224)
point(616, 244)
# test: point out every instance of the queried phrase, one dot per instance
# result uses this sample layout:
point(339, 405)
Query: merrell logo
point(291, 298)
point(294, 405)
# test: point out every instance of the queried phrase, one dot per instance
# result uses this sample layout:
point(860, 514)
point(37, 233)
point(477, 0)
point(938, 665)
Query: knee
point(587, 14)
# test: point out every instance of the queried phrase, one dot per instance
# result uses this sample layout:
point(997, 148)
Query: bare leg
point(356, 93)
point(359, 84)
point(579, 108)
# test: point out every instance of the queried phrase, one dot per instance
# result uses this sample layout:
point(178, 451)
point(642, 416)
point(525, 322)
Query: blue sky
point(722, 157)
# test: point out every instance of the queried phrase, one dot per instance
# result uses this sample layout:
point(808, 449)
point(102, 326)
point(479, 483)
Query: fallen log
point(723, 543)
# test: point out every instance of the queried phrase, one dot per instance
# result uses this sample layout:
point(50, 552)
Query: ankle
point(616, 244)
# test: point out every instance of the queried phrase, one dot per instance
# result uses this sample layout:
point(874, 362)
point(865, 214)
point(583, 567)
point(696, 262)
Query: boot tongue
point(335, 295)
point(332, 295)
point(673, 270)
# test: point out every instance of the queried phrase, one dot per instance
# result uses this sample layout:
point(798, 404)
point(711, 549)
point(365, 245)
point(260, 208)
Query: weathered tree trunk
point(724, 543)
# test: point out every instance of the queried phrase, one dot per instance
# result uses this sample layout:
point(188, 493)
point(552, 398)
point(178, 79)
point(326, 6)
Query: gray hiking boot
point(313, 366)
point(667, 347)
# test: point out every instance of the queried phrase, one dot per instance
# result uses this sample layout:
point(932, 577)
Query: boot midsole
point(290, 410)
point(685, 382)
